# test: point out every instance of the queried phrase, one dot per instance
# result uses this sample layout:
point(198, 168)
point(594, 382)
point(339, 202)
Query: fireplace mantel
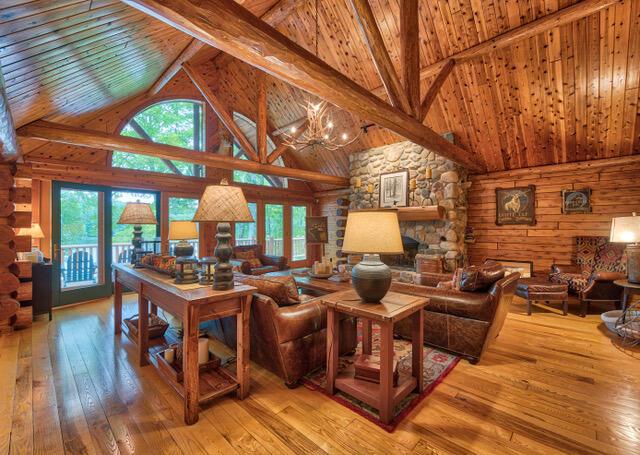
point(428, 213)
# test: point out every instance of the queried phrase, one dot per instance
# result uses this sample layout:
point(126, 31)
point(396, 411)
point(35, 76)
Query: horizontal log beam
point(230, 27)
point(96, 139)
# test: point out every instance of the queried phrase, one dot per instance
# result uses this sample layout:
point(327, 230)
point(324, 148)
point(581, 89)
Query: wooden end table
point(629, 290)
point(393, 308)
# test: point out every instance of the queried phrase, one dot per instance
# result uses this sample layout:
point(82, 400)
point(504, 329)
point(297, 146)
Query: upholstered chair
point(250, 260)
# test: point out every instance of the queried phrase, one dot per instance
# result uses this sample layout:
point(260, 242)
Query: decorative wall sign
point(576, 201)
point(394, 189)
point(516, 205)
point(317, 230)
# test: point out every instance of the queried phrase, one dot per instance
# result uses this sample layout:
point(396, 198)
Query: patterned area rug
point(437, 365)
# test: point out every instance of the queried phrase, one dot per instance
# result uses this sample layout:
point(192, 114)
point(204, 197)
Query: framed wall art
point(576, 201)
point(394, 189)
point(525, 268)
point(516, 205)
point(317, 230)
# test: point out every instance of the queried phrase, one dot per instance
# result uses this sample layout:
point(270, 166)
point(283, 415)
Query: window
point(247, 233)
point(274, 229)
point(298, 233)
point(178, 123)
point(249, 129)
point(182, 209)
point(121, 234)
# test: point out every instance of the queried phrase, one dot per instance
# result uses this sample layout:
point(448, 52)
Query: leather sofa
point(289, 340)
point(598, 263)
point(242, 255)
point(460, 322)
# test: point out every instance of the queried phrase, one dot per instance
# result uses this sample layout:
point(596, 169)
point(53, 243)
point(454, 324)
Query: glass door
point(123, 233)
point(274, 229)
point(81, 242)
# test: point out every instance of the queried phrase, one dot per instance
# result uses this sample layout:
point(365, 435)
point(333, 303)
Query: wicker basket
point(157, 326)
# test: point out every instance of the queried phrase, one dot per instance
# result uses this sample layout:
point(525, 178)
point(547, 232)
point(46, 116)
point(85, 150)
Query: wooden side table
point(629, 290)
point(393, 308)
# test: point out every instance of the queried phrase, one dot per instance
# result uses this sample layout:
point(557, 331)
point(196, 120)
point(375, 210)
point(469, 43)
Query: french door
point(81, 237)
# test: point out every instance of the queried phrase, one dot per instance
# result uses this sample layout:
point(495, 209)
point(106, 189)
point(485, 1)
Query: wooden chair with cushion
point(597, 265)
point(250, 260)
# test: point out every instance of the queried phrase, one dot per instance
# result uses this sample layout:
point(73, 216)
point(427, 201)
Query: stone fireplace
point(447, 186)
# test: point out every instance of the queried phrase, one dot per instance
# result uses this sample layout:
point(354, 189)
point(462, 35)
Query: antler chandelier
point(319, 131)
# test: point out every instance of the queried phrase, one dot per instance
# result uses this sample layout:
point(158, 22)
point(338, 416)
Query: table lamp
point(372, 232)
point(626, 229)
point(35, 231)
point(223, 204)
point(137, 213)
point(186, 264)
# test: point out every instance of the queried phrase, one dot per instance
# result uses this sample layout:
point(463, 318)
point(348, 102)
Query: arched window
point(175, 122)
point(249, 129)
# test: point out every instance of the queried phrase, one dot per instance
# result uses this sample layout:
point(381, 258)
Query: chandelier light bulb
point(326, 136)
point(293, 129)
point(316, 107)
point(330, 124)
point(344, 136)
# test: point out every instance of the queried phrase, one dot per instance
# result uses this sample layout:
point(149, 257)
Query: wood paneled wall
point(615, 192)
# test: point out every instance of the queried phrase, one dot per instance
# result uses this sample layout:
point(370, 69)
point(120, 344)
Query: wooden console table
point(191, 304)
point(393, 308)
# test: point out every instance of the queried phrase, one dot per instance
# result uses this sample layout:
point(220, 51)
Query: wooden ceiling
point(568, 94)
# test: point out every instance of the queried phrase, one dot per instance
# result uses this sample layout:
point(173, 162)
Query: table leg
point(190, 364)
point(333, 348)
point(386, 372)
point(626, 297)
point(417, 349)
point(117, 307)
point(366, 336)
point(143, 328)
point(243, 347)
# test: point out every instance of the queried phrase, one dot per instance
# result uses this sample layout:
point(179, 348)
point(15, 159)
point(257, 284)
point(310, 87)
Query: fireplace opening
point(407, 259)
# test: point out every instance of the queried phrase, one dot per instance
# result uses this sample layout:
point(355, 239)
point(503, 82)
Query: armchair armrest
point(244, 266)
point(297, 321)
point(607, 276)
point(566, 268)
point(432, 279)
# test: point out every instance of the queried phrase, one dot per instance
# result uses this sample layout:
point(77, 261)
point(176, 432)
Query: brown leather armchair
point(290, 341)
point(595, 287)
point(268, 263)
point(459, 321)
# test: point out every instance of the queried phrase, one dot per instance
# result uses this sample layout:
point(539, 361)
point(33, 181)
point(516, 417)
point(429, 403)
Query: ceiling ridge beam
point(221, 111)
point(228, 26)
point(434, 89)
point(65, 134)
point(375, 44)
point(410, 53)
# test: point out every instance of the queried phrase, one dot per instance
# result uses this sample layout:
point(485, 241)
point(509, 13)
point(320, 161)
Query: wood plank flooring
point(549, 384)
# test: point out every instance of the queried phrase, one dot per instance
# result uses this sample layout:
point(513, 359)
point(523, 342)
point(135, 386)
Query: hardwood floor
point(550, 384)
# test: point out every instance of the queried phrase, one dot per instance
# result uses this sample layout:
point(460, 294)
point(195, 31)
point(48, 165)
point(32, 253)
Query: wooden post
point(386, 371)
point(417, 350)
point(410, 52)
point(333, 349)
point(243, 347)
point(143, 328)
point(261, 124)
point(190, 367)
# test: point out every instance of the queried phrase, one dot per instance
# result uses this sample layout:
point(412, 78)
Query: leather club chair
point(289, 340)
point(267, 263)
point(461, 322)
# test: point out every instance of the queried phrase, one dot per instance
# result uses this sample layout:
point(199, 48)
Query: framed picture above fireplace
point(394, 189)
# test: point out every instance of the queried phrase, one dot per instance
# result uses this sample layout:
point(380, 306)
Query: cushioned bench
point(540, 289)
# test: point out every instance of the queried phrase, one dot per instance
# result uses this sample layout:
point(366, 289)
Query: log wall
point(615, 185)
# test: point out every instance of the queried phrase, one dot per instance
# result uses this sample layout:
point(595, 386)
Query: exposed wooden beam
point(561, 17)
point(410, 52)
point(230, 27)
point(282, 147)
point(221, 111)
point(261, 124)
point(9, 147)
point(375, 44)
point(188, 52)
point(434, 88)
point(143, 134)
point(97, 139)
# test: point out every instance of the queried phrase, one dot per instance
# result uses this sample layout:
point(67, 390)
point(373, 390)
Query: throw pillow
point(274, 289)
point(290, 285)
point(480, 278)
point(254, 263)
point(245, 255)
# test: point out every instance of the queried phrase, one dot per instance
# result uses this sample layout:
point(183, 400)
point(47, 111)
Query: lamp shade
point(372, 232)
point(223, 203)
point(137, 213)
point(625, 229)
point(183, 230)
point(35, 231)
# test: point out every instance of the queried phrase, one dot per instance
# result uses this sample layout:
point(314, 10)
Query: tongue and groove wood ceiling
point(568, 94)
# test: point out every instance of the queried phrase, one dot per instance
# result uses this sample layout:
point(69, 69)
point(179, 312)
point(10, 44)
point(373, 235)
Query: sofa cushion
point(255, 263)
point(290, 286)
point(575, 281)
point(480, 278)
